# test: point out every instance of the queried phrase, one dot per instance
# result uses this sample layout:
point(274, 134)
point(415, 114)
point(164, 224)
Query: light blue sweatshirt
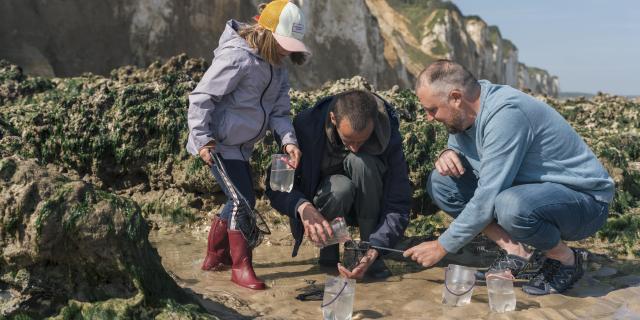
point(517, 139)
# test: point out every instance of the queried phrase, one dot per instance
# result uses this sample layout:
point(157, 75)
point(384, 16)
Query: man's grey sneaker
point(554, 277)
point(520, 267)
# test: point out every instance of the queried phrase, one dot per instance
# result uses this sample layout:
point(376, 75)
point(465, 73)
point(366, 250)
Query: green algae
point(7, 168)
point(89, 245)
point(175, 213)
point(130, 129)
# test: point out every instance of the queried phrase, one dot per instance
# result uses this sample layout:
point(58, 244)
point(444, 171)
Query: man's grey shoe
point(520, 267)
point(554, 277)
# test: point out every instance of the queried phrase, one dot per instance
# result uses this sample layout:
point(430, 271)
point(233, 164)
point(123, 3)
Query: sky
point(591, 45)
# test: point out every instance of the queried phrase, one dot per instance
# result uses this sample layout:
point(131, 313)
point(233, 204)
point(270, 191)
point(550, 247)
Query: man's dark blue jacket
point(309, 127)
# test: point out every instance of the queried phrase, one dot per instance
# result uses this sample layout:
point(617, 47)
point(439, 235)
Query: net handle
point(453, 293)
point(336, 297)
point(369, 246)
point(237, 196)
point(225, 178)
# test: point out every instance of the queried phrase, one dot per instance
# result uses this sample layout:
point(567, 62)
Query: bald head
point(443, 76)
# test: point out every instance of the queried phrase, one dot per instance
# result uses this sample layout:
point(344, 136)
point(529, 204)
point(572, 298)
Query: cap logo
point(297, 28)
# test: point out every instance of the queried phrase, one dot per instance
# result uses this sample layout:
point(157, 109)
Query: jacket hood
point(231, 40)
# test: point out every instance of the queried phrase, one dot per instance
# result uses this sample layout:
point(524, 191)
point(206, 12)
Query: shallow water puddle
point(412, 293)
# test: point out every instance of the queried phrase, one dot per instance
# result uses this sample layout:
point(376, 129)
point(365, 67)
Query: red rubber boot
point(242, 269)
point(218, 256)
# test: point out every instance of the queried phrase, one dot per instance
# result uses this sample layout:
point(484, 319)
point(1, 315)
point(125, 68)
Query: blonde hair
point(266, 44)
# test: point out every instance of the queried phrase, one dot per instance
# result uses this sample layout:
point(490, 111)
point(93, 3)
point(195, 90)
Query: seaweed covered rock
point(126, 133)
point(611, 127)
point(13, 83)
point(129, 130)
point(67, 248)
point(124, 130)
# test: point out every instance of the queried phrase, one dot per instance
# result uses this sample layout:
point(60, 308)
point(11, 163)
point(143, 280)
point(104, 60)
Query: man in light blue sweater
point(515, 170)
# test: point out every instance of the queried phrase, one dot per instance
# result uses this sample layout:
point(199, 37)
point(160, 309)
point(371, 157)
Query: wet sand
point(412, 293)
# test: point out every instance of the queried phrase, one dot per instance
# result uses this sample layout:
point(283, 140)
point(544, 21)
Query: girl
point(244, 93)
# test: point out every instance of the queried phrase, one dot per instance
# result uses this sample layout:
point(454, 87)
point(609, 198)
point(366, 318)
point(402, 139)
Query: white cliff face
point(511, 67)
point(537, 80)
point(399, 43)
point(345, 41)
point(370, 38)
point(77, 36)
point(150, 22)
point(446, 34)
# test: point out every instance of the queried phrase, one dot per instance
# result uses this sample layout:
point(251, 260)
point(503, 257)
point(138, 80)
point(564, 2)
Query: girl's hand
point(294, 153)
point(205, 153)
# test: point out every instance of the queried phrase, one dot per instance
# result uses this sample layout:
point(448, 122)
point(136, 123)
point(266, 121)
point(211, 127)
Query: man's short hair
point(446, 75)
point(357, 106)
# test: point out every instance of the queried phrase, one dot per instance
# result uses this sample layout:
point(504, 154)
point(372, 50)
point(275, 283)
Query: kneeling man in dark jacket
point(352, 166)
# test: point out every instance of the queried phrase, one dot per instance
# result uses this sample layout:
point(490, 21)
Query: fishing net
point(244, 218)
point(354, 251)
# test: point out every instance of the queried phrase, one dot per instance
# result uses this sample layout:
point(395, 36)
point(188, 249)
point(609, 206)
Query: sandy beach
point(605, 292)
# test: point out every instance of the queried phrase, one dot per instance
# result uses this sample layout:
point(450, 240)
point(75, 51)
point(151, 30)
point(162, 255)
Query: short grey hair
point(445, 75)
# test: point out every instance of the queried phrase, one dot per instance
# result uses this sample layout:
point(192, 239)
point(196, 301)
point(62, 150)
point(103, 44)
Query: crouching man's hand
point(316, 227)
point(427, 253)
point(449, 164)
point(362, 267)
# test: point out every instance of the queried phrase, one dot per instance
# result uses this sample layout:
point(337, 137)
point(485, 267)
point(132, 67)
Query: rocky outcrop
point(386, 41)
point(126, 133)
point(68, 248)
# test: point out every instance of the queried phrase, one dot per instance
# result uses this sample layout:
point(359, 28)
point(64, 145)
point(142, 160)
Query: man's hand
point(362, 267)
point(204, 153)
point(427, 253)
point(449, 164)
point(294, 154)
point(316, 227)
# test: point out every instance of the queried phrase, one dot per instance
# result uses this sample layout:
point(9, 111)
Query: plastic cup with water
point(458, 285)
point(282, 173)
point(340, 232)
point(502, 298)
point(337, 302)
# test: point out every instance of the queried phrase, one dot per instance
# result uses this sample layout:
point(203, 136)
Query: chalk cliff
point(386, 41)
